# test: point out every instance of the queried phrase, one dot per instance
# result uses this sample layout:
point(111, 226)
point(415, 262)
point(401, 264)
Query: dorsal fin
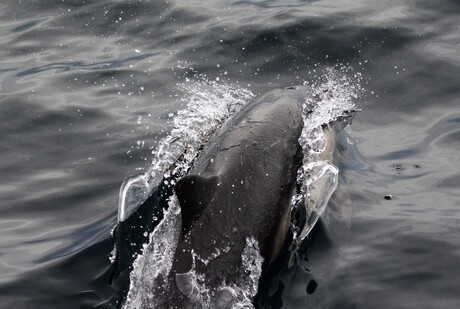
point(194, 193)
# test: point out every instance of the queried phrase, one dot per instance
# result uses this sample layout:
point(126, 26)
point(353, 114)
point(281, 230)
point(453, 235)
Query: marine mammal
point(239, 187)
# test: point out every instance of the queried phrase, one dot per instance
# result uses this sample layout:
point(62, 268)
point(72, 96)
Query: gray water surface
point(75, 76)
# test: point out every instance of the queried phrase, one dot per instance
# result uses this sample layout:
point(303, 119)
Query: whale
point(236, 195)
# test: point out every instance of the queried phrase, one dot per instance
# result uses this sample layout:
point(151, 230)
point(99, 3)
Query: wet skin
point(240, 186)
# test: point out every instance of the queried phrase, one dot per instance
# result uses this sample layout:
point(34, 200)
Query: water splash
point(133, 192)
point(332, 94)
point(208, 104)
point(155, 259)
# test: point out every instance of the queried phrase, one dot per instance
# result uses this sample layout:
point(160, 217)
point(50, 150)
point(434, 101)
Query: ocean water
point(89, 88)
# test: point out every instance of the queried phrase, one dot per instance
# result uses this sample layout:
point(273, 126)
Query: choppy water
point(86, 92)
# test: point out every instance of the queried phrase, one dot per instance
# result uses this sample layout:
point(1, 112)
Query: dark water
point(76, 76)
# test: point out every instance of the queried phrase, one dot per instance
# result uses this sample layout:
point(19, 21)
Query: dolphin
point(239, 188)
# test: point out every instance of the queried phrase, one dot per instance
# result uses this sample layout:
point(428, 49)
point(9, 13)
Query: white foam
point(332, 95)
point(208, 105)
point(155, 259)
